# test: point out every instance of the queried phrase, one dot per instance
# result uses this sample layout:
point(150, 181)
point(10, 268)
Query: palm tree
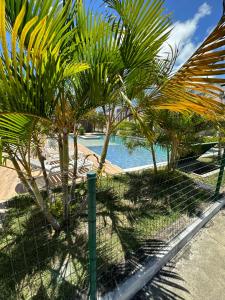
point(128, 129)
point(64, 62)
point(31, 75)
point(115, 50)
point(194, 87)
point(178, 132)
point(197, 85)
point(140, 30)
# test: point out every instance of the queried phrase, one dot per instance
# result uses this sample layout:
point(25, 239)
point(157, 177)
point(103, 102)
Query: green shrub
point(212, 139)
point(57, 206)
point(81, 130)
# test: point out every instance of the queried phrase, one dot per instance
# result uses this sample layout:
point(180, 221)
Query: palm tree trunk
point(41, 203)
point(75, 147)
point(104, 148)
point(20, 173)
point(219, 145)
point(33, 190)
point(154, 159)
point(173, 156)
point(64, 175)
point(168, 157)
point(42, 162)
point(60, 146)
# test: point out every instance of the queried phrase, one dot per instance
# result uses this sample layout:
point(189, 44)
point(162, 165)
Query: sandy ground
point(10, 184)
point(198, 271)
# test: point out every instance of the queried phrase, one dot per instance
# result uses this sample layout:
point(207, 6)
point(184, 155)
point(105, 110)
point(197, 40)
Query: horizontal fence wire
point(35, 261)
point(137, 214)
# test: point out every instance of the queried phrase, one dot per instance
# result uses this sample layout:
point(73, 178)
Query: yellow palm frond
point(35, 60)
point(16, 27)
point(197, 85)
point(23, 36)
point(3, 33)
point(74, 68)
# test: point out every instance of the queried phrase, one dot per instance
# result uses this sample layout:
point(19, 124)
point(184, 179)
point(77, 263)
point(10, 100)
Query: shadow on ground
point(197, 167)
point(166, 285)
point(133, 212)
point(37, 264)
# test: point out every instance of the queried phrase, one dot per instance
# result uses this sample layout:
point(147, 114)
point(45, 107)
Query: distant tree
point(93, 120)
point(177, 132)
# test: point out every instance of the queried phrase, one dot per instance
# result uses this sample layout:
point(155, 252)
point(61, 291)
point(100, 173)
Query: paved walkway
point(198, 271)
point(8, 182)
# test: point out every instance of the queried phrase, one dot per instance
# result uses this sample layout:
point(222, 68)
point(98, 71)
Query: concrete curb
point(136, 282)
point(145, 167)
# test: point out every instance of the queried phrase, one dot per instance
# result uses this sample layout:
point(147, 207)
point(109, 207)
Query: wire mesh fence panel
point(139, 213)
point(37, 262)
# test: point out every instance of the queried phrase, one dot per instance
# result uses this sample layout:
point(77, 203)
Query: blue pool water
point(119, 155)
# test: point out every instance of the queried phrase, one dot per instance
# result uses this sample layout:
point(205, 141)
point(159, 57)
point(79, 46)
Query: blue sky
point(193, 20)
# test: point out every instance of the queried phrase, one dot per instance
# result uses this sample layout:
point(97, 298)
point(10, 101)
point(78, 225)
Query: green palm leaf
point(15, 129)
point(142, 29)
point(31, 72)
point(197, 85)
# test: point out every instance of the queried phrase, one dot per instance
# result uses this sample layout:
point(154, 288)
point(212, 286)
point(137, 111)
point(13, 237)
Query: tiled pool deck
point(9, 180)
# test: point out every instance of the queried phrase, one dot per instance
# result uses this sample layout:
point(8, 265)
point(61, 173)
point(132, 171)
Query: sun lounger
point(35, 163)
point(52, 166)
point(82, 169)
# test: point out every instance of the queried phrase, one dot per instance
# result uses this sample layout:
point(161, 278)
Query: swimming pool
point(119, 155)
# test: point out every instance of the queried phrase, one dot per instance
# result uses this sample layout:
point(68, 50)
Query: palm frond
point(141, 29)
point(16, 129)
point(31, 72)
point(197, 85)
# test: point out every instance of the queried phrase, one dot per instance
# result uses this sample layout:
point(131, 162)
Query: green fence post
point(92, 233)
point(220, 177)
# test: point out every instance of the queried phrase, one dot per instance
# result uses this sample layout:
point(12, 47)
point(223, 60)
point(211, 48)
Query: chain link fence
point(137, 214)
point(35, 261)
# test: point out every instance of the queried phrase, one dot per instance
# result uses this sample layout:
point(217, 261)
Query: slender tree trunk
point(42, 162)
point(154, 159)
point(168, 158)
point(60, 146)
point(219, 145)
point(32, 188)
point(20, 174)
point(75, 147)
point(173, 156)
point(43, 206)
point(104, 148)
point(64, 175)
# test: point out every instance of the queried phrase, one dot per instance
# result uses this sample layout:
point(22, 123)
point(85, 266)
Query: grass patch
point(133, 210)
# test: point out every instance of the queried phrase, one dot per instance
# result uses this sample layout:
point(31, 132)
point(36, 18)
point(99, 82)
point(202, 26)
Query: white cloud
point(183, 33)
